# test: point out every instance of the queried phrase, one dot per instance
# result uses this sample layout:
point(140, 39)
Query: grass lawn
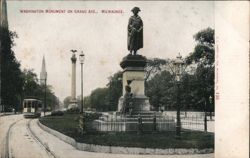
point(68, 125)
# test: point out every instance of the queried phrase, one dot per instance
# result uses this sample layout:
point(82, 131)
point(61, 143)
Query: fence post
point(154, 123)
point(205, 122)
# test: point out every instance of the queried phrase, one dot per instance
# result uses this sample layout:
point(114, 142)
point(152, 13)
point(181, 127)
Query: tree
point(106, 99)
point(51, 100)
point(189, 94)
point(114, 90)
point(87, 102)
point(99, 99)
point(11, 81)
point(66, 102)
point(197, 84)
point(154, 66)
point(203, 57)
point(159, 90)
point(31, 88)
point(204, 49)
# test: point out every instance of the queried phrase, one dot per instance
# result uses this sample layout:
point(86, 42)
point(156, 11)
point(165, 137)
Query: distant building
point(43, 73)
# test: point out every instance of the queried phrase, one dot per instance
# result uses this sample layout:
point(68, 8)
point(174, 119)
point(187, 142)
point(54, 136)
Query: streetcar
point(32, 108)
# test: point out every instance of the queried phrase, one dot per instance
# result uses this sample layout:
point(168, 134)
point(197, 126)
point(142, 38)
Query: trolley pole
point(45, 106)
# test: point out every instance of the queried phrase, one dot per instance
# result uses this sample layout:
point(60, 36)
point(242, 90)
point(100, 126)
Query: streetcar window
point(29, 104)
point(33, 104)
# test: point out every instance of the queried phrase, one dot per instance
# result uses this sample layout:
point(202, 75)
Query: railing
point(164, 122)
point(193, 123)
point(132, 124)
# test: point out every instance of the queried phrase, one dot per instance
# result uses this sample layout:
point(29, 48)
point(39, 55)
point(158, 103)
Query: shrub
point(57, 113)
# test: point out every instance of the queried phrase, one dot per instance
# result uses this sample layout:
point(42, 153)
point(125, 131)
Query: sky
point(169, 27)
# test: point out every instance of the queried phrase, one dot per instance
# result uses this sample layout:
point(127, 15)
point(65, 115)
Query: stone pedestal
point(133, 70)
point(73, 104)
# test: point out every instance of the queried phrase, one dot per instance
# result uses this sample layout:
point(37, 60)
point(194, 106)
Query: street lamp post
point(178, 69)
point(210, 101)
point(205, 116)
point(45, 93)
point(110, 94)
point(45, 102)
point(81, 58)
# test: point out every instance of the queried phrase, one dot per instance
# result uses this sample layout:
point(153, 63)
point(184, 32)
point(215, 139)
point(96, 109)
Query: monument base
point(73, 104)
point(140, 103)
point(138, 117)
point(133, 76)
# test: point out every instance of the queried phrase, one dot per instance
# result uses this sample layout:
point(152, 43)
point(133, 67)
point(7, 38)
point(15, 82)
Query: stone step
point(118, 126)
point(136, 119)
point(142, 113)
point(145, 115)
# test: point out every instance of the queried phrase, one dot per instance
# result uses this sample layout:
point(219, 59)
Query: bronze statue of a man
point(135, 32)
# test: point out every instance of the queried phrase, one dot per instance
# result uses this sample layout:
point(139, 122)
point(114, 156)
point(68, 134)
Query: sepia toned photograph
point(116, 79)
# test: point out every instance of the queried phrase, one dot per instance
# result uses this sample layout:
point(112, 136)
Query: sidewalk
point(6, 113)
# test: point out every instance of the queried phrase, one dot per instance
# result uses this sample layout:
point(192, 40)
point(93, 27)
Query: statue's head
point(135, 10)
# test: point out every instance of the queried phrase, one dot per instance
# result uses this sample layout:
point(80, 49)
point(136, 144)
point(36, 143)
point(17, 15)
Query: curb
point(122, 150)
point(5, 114)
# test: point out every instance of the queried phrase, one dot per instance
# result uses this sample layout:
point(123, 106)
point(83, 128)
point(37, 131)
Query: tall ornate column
point(73, 101)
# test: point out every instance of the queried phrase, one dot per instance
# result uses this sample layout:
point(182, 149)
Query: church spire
point(3, 14)
point(43, 73)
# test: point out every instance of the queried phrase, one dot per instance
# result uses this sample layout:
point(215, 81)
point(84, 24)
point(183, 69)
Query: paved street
point(24, 138)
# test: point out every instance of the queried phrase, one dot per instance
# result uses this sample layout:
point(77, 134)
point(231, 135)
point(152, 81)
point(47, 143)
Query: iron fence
point(164, 122)
point(132, 124)
point(192, 123)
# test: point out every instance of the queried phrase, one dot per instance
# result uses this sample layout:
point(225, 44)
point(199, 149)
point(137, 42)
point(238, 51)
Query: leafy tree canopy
point(204, 49)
